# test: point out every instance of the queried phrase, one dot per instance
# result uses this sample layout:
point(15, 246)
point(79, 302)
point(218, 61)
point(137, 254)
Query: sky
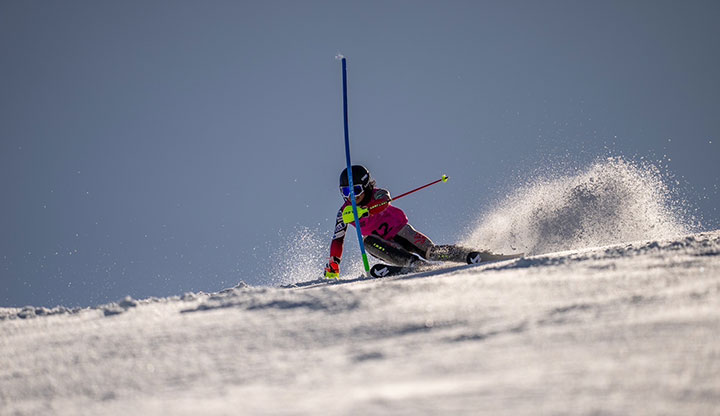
point(152, 148)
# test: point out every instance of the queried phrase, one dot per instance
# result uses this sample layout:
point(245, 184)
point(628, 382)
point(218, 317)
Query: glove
point(332, 268)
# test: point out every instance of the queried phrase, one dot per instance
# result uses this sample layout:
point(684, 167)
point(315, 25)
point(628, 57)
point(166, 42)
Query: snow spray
point(303, 255)
point(611, 202)
point(301, 258)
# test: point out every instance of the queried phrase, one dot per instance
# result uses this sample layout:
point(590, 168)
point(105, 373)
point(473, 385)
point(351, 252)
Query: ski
point(473, 259)
point(384, 270)
point(477, 257)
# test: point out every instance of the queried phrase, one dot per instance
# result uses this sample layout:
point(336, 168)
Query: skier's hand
point(349, 216)
point(332, 268)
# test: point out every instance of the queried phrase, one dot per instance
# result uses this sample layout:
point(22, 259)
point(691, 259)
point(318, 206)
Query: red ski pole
point(349, 215)
point(443, 179)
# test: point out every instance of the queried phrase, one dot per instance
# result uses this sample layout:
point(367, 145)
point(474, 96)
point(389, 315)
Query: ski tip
point(444, 178)
point(340, 57)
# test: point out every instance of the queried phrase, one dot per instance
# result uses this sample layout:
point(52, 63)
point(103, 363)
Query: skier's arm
point(332, 268)
point(381, 201)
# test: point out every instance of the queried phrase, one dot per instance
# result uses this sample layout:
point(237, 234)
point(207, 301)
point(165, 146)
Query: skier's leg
point(416, 242)
point(413, 241)
point(389, 251)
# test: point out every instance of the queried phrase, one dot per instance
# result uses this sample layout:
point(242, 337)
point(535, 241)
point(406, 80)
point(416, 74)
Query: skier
point(387, 233)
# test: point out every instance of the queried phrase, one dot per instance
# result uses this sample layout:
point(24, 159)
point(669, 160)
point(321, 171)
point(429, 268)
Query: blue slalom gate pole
point(349, 169)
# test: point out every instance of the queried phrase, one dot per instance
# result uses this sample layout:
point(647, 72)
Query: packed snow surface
point(614, 310)
point(622, 329)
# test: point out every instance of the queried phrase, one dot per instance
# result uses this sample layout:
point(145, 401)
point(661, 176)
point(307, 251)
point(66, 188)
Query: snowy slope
point(624, 329)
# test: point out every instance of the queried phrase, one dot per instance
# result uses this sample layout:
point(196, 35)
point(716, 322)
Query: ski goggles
point(345, 190)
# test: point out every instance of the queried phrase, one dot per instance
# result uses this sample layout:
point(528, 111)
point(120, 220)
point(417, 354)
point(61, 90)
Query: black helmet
point(361, 176)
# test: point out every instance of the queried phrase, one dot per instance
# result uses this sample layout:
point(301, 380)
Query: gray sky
point(150, 148)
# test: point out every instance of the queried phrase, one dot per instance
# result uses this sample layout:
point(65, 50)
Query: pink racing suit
point(384, 221)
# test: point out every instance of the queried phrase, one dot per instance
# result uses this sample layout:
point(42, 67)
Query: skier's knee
point(375, 245)
point(419, 242)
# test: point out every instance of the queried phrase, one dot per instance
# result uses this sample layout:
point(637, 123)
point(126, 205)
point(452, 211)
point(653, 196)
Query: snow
point(611, 201)
point(615, 310)
point(619, 329)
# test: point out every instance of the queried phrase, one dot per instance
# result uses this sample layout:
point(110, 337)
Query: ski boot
point(459, 254)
